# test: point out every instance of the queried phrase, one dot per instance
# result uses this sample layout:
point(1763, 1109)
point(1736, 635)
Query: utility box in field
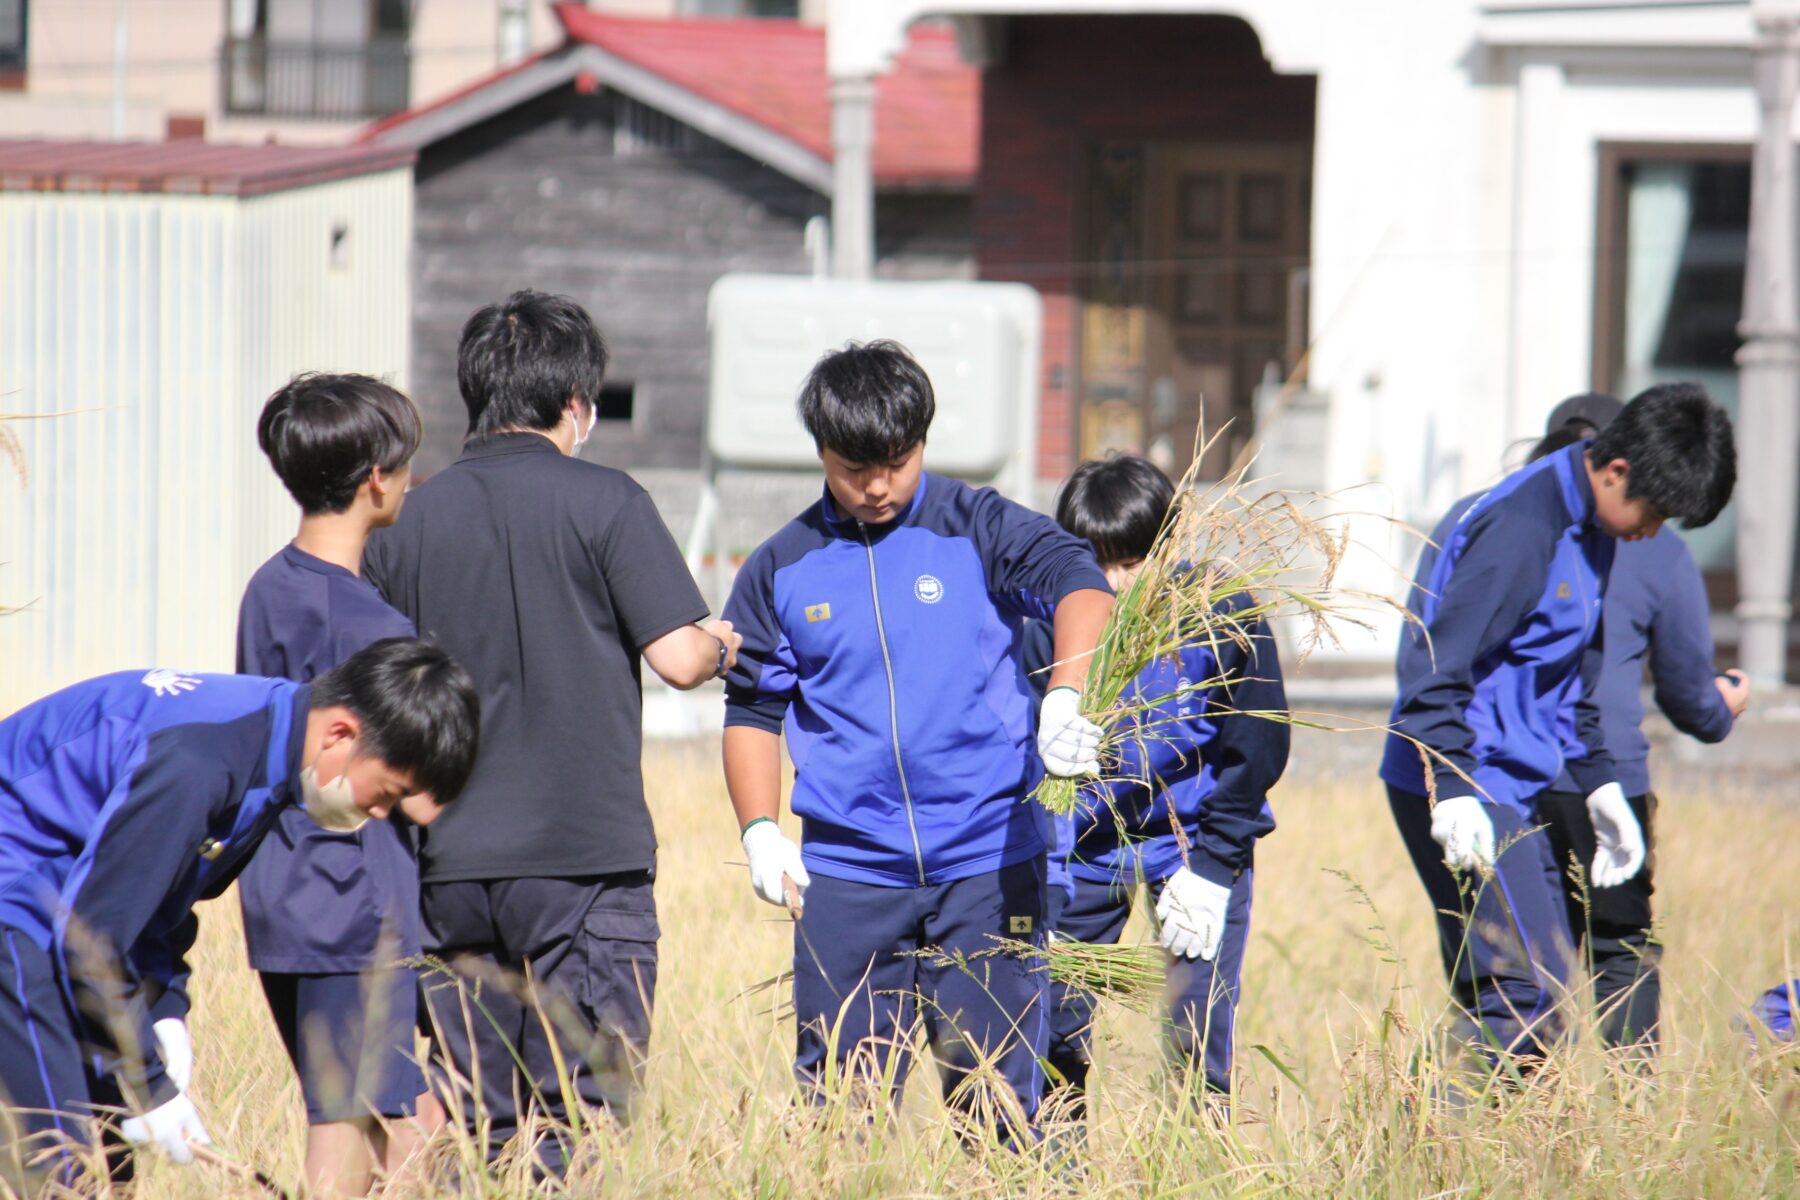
point(152, 296)
point(977, 341)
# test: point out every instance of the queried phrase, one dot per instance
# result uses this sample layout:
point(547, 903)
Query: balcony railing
point(329, 82)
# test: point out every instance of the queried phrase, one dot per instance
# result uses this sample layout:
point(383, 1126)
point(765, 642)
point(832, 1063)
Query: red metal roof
point(189, 167)
point(772, 72)
point(927, 109)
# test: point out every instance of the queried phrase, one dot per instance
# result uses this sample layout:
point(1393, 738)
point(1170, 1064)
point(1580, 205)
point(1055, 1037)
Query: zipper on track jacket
point(887, 663)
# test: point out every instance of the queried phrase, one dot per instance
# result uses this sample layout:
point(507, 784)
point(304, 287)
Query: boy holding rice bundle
point(1182, 806)
point(882, 628)
point(1508, 643)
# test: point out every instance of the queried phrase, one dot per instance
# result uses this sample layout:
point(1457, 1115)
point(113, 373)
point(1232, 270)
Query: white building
point(1438, 216)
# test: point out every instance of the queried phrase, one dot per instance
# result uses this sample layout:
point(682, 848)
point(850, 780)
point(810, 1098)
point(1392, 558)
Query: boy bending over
point(125, 799)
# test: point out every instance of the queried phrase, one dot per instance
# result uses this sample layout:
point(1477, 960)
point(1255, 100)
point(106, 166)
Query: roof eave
point(717, 121)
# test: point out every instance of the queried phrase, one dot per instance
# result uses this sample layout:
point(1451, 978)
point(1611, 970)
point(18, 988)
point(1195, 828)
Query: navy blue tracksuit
point(1501, 689)
point(348, 1026)
point(890, 655)
point(1656, 616)
point(1197, 769)
point(123, 800)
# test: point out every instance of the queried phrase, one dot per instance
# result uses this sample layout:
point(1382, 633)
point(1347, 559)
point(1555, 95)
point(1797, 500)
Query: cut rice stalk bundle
point(1130, 975)
point(1228, 558)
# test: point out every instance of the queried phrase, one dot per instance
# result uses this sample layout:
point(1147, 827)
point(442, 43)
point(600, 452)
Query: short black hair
point(324, 434)
point(870, 402)
point(1118, 504)
point(418, 708)
point(1678, 444)
point(520, 363)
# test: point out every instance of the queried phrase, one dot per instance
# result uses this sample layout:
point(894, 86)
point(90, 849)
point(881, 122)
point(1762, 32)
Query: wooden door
point(1198, 257)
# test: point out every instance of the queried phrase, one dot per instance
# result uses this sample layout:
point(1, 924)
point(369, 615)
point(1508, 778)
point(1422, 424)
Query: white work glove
point(171, 1125)
point(773, 854)
point(1466, 833)
point(1068, 742)
point(1192, 914)
point(1617, 834)
point(176, 1050)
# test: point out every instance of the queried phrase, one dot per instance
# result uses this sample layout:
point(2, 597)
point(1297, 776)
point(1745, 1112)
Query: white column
point(1768, 429)
point(853, 176)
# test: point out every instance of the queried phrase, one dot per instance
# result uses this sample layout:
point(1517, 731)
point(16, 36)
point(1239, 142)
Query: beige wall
point(172, 68)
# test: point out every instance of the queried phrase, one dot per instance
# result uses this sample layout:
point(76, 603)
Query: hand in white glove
point(176, 1049)
point(1192, 913)
point(1068, 742)
point(1466, 833)
point(1617, 834)
point(772, 855)
point(171, 1125)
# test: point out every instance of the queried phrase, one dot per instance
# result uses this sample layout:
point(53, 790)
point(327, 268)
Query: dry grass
point(1341, 990)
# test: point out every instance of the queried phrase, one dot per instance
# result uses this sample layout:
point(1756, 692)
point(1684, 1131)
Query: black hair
point(1118, 504)
point(867, 403)
point(1561, 439)
point(324, 434)
point(520, 363)
point(1678, 444)
point(418, 708)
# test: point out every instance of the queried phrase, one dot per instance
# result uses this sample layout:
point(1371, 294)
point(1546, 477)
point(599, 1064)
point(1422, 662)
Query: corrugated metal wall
point(158, 325)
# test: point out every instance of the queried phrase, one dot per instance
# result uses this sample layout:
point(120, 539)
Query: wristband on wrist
point(755, 821)
point(719, 670)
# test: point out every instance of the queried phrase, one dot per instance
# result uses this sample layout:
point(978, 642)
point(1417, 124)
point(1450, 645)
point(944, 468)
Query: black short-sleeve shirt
point(544, 576)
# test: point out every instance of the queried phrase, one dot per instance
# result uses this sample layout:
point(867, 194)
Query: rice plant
point(1227, 558)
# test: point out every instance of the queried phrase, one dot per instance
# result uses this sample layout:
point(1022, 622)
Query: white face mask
point(581, 438)
point(331, 805)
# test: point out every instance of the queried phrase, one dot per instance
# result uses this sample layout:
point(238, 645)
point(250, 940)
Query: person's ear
point(1617, 471)
point(341, 725)
point(382, 485)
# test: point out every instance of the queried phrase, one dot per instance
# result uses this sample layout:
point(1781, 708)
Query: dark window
point(740, 8)
point(14, 16)
point(1673, 243)
point(616, 401)
point(316, 58)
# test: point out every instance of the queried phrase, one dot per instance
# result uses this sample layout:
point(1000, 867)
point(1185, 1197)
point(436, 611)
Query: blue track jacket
point(1656, 614)
point(1512, 605)
point(123, 800)
point(891, 654)
point(1192, 764)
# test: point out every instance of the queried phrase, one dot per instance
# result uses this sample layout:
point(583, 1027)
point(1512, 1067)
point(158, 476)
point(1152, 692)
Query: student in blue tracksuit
point(1509, 638)
point(882, 627)
point(346, 1011)
point(125, 799)
point(1193, 767)
point(1774, 1012)
point(1656, 616)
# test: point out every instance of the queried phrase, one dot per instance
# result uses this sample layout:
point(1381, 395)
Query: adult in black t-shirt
point(547, 577)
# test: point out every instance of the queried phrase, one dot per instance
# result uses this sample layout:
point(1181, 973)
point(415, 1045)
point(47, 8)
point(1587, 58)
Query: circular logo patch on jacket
point(928, 588)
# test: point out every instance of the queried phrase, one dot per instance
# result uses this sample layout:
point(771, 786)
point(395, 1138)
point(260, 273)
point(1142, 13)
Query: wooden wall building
point(634, 166)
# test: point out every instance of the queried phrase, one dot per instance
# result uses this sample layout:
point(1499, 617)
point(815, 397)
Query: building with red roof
point(640, 160)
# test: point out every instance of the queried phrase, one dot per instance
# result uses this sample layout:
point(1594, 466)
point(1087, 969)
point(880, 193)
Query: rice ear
point(1228, 558)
